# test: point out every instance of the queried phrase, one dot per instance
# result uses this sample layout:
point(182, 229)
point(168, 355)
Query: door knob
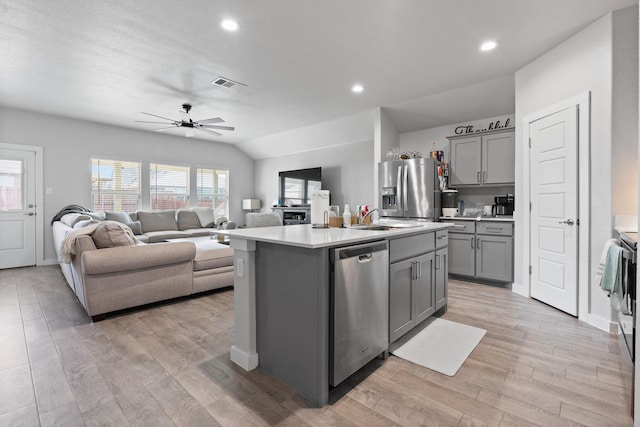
point(566, 221)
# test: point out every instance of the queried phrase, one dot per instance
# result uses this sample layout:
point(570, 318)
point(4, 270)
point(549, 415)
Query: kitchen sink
point(383, 227)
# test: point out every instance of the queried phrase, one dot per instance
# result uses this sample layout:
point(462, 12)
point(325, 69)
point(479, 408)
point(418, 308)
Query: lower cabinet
point(418, 280)
point(441, 277)
point(483, 252)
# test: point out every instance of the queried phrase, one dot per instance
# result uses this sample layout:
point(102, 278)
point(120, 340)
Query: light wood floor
point(169, 365)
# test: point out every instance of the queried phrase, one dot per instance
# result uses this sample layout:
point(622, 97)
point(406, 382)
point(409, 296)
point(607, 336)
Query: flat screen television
point(296, 186)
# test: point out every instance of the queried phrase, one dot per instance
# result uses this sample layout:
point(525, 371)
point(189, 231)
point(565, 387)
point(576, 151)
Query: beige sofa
point(114, 278)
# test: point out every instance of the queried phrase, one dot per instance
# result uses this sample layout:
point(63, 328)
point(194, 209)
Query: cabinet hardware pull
point(437, 262)
point(477, 243)
point(442, 237)
point(459, 226)
point(477, 176)
point(472, 239)
point(494, 228)
point(484, 176)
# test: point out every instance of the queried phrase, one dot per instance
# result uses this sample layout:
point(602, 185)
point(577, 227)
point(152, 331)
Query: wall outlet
point(240, 267)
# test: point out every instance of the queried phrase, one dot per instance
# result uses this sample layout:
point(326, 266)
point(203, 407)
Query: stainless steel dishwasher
point(360, 307)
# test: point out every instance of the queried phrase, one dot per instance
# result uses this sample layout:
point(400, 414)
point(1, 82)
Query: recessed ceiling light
point(488, 45)
point(357, 88)
point(229, 24)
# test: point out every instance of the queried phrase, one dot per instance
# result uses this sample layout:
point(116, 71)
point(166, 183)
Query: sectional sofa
point(119, 260)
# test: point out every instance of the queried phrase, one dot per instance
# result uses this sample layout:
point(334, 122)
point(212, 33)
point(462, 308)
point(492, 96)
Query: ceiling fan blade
point(185, 116)
point(209, 131)
point(143, 121)
point(168, 128)
point(218, 127)
point(214, 120)
point(160, 117)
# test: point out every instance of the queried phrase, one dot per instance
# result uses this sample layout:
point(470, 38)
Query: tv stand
point(291, 216)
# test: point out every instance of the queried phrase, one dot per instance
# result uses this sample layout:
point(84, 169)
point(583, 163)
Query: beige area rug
point(442, 346)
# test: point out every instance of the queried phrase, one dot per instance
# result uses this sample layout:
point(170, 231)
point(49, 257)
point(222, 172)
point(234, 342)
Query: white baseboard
point(601, 323)
point(520, 289)
point(49, 261)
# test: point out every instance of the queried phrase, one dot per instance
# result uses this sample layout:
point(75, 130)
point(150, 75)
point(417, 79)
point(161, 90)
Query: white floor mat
point(442, 346)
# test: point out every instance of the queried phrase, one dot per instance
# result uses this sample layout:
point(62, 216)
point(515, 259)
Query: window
point(169, 186)
point(11, 194)
point(213, 190)
point(115, 185)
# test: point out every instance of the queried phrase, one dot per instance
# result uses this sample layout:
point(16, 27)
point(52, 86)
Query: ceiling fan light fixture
point(357, 88)
point(488, 45)
point(229, 25)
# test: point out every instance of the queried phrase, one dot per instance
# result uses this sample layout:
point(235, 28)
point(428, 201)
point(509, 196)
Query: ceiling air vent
point(225, 82)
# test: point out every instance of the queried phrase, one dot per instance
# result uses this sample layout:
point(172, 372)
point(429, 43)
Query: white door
point(554, 209)
point(17, 208)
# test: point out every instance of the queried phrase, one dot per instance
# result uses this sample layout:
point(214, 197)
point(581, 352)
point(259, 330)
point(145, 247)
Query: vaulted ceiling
point(109, 60)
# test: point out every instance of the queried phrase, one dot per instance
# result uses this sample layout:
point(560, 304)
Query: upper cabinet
point(481, 159)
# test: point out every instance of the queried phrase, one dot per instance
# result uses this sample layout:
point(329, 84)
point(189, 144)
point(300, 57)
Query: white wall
point(625, 112)
point(69, 144)
point(427, 140)
point(346, 173)
point(580, 64)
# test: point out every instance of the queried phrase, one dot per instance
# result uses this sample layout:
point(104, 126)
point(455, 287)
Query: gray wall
point(69, 144)
point(346, 173)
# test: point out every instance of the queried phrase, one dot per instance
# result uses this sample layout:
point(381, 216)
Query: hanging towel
point(612, 274)
point(603, 258)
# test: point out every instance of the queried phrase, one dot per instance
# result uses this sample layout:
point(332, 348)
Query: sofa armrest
point(126, 258)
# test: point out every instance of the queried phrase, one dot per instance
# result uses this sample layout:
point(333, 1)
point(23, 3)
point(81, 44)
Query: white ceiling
point(108, 60)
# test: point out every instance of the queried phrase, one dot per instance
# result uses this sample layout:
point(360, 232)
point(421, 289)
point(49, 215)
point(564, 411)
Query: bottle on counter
point(346, 217)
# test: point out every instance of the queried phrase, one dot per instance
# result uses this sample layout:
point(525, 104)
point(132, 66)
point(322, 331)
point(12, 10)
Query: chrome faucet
point(361, 221)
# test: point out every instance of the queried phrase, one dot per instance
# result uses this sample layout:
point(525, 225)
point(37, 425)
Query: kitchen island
point(282, 296)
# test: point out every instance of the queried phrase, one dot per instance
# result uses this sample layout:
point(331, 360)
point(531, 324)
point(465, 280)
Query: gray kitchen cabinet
point(441, 277)
point(482, 159)
point(494, 257)
point(413, 281)
point(483, 251)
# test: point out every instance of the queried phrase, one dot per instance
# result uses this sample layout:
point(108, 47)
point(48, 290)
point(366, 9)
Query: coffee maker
point(504, 205)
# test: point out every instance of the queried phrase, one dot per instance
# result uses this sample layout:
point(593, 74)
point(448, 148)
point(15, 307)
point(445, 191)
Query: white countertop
point(305, 236)
point(477, 218)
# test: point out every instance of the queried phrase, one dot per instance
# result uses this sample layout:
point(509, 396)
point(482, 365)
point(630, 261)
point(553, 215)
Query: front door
point(554, 209)
point(17, 208)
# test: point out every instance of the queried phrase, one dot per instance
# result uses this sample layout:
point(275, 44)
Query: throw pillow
point(122, 217)
point(187, 219)
point(85, 223)
point(100, 216)
point(135, 226)
point(205, 215)
point(71, 219)
point(110, 235)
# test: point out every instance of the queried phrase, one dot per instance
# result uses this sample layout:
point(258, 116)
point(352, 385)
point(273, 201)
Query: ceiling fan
point(206, 125)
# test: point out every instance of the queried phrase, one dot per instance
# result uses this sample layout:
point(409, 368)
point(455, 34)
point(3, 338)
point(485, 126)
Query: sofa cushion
point(212, 255)
point(161, 236)
point(158, 221)
point(187, 219)
point(122, 217)
point(110, 235)
point(71, 219)
point(205, 215)
point(198, 232)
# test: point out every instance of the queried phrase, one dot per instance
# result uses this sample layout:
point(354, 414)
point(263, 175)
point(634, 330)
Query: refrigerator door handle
point(400, 191)
point(405, 183)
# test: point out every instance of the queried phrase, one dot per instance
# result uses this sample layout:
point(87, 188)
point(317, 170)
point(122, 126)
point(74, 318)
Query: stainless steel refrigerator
point(409, 189)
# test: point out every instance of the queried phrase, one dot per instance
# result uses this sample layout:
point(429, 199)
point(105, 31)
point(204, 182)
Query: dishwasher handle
point(363, 252)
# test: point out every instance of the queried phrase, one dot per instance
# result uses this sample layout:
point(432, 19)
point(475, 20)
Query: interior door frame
point(583, 102)
point(39, 180)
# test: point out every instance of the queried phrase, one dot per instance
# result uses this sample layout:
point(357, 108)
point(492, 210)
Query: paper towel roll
point(319, 205)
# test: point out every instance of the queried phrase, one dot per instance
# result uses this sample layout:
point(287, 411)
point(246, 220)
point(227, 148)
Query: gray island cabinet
point(282, 295)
